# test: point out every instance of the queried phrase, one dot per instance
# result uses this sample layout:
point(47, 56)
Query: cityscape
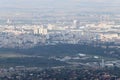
point(75, 32)
point(67, 40)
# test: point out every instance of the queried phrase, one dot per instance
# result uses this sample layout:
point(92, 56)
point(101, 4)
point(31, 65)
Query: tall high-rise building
point(8, 21)
point(75, 24)
point(103, 63)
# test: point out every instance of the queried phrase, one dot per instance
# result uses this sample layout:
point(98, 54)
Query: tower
point(74, 23)
point(8, 21)
point(103, 63)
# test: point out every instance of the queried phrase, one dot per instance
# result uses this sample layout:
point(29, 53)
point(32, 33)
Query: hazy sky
point(58, 3)
point(87, 4)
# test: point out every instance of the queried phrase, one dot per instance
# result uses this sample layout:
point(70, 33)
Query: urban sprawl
point(26, 36)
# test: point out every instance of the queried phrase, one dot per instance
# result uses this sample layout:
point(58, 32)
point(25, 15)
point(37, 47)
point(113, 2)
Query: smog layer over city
point(59, 39)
